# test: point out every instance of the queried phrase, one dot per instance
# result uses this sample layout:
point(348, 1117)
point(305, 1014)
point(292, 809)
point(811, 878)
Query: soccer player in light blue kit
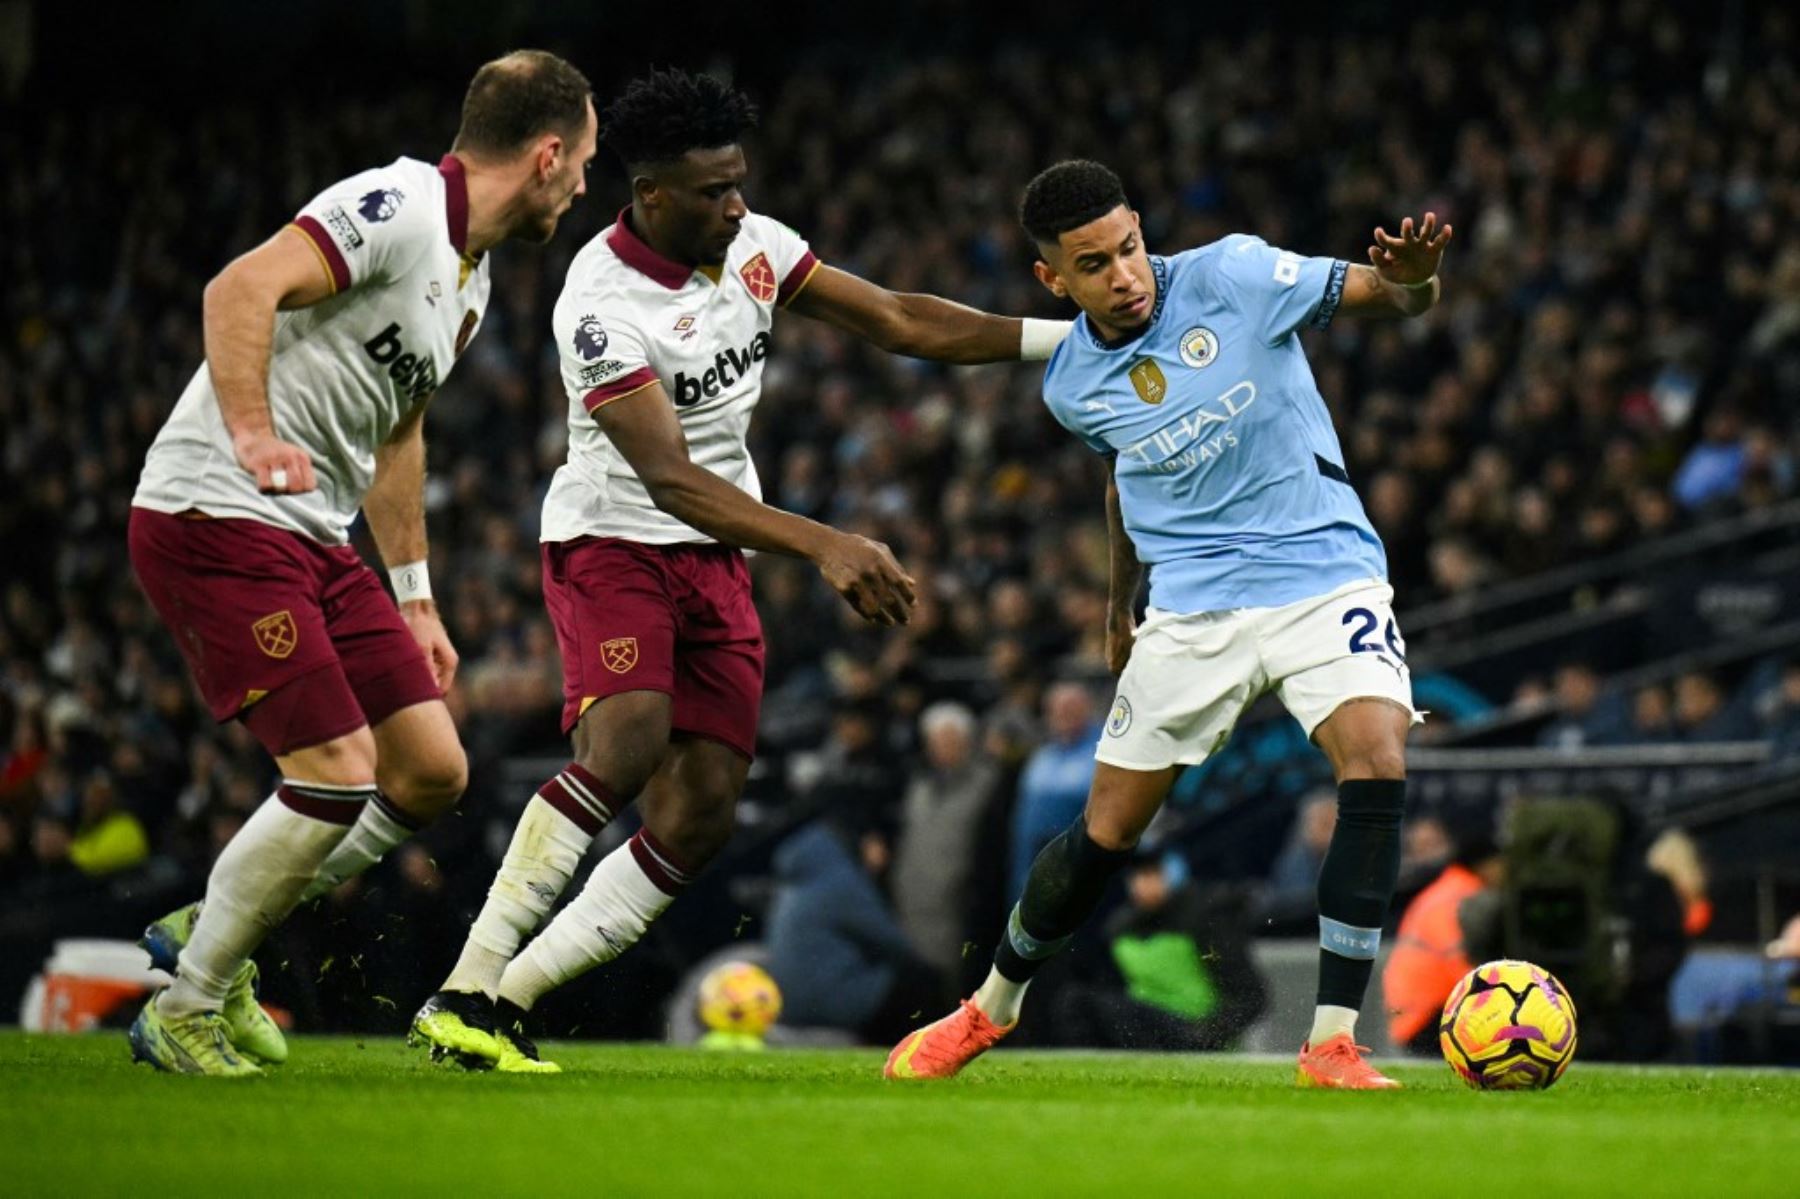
point(1228, 483)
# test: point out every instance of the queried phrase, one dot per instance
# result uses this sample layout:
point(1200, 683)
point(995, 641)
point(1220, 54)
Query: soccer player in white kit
point(323, 347)
point(664, 329)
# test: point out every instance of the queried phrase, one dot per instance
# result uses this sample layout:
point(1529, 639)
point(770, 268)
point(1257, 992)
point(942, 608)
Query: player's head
point(533, 112)
point(1090, 248)
point(678, 137)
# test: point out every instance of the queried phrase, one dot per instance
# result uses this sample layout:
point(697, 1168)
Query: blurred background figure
point(1585, 713)
point(945, 840)
point(835, 949)
point(1675, 856)
point(1291, 893)
point(1176, 973)
point(1054, 788)
point(1430, 954)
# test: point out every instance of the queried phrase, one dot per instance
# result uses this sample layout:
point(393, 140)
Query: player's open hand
point(1121, 635)
point(1412, 257)
point(428, 630)
point(280, 467)
point(865, 573)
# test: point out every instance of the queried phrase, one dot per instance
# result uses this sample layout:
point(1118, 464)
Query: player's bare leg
point(620, 741)
point(689, 810)
point(1365, 741)
point(420, 773)
point(1065, 884)
point(256, 882)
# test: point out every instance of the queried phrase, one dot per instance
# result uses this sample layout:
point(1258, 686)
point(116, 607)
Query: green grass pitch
point(368, 1117)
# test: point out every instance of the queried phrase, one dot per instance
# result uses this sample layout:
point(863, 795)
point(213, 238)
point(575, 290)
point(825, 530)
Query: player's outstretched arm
point(239, 321)
point(922, 326)
point(643, 426)
point(1125, 577)
point(395, 509)
point(1402, 276)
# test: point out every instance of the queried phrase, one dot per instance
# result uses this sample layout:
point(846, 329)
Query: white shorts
point(1191, 676)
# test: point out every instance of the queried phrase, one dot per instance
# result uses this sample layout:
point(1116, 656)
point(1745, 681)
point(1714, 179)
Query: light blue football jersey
point(1231, 480)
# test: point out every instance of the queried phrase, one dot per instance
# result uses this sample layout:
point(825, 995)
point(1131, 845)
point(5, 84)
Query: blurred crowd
point(1616, 358)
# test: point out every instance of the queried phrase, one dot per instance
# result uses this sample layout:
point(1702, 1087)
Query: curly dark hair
point(662, 115)
point(1068, 196)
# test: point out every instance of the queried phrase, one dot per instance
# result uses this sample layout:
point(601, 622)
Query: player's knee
point(1376, 761)
point(1111, 832)
point(699, 836)
point(429, 788)
point(626, 771)
point(347, 761)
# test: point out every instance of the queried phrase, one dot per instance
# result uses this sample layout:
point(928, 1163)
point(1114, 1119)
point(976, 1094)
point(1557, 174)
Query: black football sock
point(1356, 884)
point(1067, 879)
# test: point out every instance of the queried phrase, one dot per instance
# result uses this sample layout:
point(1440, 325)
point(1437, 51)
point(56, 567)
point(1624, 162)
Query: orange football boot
point(941, 1049)
point(1338, 1063)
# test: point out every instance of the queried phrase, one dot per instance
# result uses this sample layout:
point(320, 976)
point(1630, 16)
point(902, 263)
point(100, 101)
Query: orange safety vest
point(1428, 956)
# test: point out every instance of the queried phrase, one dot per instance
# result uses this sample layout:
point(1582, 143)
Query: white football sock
point(256, 882)
point(380, 827)
point(1329, 1020)
point(630, 887)
point(999, 998)
point(546, 848)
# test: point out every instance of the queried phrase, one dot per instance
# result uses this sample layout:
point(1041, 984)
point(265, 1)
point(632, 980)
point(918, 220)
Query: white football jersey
point(346, 371)
point(627, 318)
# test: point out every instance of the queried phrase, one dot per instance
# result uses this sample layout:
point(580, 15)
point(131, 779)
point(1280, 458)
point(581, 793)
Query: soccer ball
point(1508, 1026)
point(739, 998)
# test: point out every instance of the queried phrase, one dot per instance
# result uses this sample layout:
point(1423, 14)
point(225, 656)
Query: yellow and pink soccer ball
point(1508, 1026)
point(740, 999)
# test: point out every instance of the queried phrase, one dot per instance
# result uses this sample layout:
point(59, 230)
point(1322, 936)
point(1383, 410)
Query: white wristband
point(1039, 339)
point(411, 582)
point(1419, 286)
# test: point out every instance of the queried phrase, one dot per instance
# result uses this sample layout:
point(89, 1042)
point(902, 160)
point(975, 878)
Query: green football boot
point(458, 1026)
point(196, 1044)
point(518, 1053)
point(253, 1031)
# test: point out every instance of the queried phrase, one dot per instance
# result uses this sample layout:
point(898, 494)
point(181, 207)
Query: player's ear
point(549, 151)
point(1046, 274)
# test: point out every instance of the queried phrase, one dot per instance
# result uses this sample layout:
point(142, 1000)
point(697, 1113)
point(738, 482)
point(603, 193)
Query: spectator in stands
point(948, 803)
point(1425, 846)
point(25, 757)
point(52, 875)
point(1781, 720)
point(1585, 713)
point(107, 839)
point(1429, 956)
point(1292, 889)
point(1053, 790)
point(1714, 468)
point(1177, 972)
point(1704, 712)
point(1676, 857)
point(835, 948)
point(1715, 994)
point(854, 768)
point(1652, 718)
